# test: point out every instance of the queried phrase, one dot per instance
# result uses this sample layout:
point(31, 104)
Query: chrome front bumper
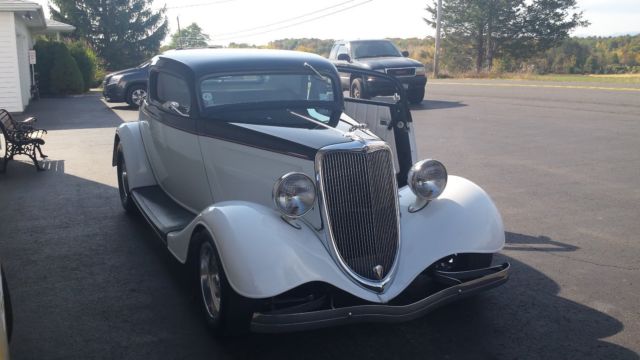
point(463, 284)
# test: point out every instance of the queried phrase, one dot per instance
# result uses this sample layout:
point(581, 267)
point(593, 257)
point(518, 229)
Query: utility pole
point(436, 56)
point(179, 33)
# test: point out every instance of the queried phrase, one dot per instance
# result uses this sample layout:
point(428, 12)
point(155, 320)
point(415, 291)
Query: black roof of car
point(208, 61)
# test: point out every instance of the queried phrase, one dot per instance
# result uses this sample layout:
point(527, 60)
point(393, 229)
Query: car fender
point(139, 171)
point(262, 255)
point(463, 219)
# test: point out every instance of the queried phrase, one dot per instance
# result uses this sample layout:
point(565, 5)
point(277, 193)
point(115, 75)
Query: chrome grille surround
point(401, 72)
point(361, 147)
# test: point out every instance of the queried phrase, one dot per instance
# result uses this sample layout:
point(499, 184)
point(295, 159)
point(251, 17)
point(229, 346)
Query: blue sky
point(259, 21)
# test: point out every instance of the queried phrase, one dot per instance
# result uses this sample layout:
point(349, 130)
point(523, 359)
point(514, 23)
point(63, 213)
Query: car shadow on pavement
point(437, 104)
point(89, 281)
point(124, 107)
point(523, 319)
point(521, 242)
point(88, 112)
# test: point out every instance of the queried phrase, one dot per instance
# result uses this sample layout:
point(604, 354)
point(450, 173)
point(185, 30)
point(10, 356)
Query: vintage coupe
point(294, 207)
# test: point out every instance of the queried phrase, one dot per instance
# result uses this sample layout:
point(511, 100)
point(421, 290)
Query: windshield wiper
point(308, 66)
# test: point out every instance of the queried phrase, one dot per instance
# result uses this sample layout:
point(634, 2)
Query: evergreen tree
point(123, 32)
point(484, 29)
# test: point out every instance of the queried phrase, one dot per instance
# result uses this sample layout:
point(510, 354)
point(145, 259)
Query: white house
point(20, 22)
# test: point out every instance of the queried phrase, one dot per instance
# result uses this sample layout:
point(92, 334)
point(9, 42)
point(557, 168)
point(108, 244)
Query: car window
point(172, 88)
point(342, 50)
point(243, 89)
point(334, 51)
point(365, 49)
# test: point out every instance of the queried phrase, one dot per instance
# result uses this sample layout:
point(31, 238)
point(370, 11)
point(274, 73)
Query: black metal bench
point(20, 138)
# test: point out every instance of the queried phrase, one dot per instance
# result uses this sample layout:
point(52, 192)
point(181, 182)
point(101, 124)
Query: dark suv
point(383, 56)
point(129, 85)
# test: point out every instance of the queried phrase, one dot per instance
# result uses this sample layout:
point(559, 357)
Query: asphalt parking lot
point(562, 164)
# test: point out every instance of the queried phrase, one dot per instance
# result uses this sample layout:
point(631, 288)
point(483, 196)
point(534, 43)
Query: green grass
point(618, 79)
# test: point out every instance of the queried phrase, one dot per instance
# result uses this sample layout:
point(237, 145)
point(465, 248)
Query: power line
point(296, 23)
point(285, 20)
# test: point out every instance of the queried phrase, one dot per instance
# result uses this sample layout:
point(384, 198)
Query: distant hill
point(598, 55)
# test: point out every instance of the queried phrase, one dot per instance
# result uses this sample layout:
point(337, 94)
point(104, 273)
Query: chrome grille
point(362, 210)
point(399, 72)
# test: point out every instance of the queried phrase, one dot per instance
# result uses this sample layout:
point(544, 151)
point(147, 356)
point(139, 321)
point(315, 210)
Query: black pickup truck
point(383, 56)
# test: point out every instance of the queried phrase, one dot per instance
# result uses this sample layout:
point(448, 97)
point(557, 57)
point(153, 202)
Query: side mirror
point(405, 53)
point(344, 57)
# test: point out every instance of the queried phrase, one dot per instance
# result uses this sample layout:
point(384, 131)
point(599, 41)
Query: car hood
point(294, 141)
point(386, 62)
point(125, 72)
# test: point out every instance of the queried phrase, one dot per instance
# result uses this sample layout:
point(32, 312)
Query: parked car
point(383, 56)
point(129, 85)
point(250, 167)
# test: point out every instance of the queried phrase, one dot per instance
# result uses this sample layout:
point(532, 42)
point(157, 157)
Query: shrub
point(44, 62)
point(87, 62)
point(58, 72)
point(65, 77)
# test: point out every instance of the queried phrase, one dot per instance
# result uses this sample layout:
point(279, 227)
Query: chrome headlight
point(294, 194)
point(420, 70)
point(427, 179)
point(114, 79)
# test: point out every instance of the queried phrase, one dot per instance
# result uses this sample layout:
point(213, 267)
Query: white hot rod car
point(295, 207)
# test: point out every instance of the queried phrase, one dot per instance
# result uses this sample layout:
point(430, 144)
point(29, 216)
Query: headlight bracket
point(418, 205)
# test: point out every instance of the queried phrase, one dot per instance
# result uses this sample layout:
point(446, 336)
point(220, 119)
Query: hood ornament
point(378, 269)
point(358, 126)
point(351, 134)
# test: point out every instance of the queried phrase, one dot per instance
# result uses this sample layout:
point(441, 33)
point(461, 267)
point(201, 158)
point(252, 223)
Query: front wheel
point(123, 183)
point(136, 95)
point(357, 89)
point(225, 311)
point(8, 309)
point(416, 96)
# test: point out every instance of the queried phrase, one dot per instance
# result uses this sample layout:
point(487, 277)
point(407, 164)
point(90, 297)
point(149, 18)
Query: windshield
point(251, 89)
point(144, 64)
point(365, 49)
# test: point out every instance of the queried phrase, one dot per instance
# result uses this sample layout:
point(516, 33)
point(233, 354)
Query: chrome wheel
point(123, 184)
point(210, 280)
point(123, 180)
point(137, 96)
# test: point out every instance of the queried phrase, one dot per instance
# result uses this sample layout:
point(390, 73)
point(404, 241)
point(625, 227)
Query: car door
point(169, 134)
point(345, 77)
point(389, 118)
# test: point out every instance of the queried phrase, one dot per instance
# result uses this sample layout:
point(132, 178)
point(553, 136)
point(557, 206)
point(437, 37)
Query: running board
point(162, 212)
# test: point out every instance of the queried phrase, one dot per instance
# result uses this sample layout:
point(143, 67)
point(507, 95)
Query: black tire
point(123, 183)
point(234, 312)
point(8, 309)
point(136, 94)
point(416, 96)
point(357, 89)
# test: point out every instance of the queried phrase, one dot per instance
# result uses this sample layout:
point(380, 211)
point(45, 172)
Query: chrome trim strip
point(355, 146)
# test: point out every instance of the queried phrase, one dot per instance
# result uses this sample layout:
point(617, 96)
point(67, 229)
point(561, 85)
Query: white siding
point(23, 44)
point(10, 93)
